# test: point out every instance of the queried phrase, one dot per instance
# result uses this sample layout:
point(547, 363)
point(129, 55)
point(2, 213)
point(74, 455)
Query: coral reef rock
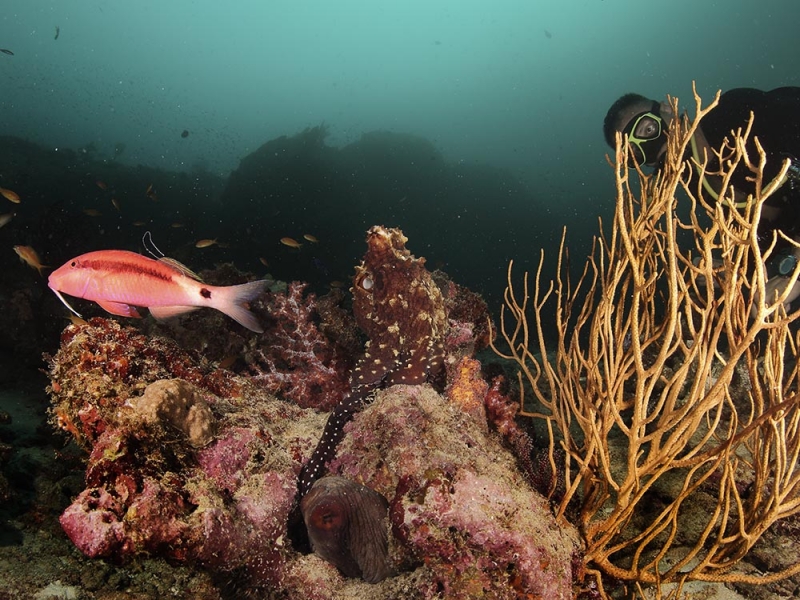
point(157, 481)
point(179, 404)
point(460, 508)
point(348, 526)
point(462, 520)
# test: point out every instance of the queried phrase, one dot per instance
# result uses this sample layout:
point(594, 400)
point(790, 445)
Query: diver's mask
point(644, 135)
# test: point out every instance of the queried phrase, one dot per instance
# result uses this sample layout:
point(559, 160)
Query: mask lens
point(647, 127)
point(645, 130)
point(635, 154)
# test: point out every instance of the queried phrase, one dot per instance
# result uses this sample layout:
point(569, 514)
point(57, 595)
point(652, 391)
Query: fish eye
point(73, 264)
point(367, 283)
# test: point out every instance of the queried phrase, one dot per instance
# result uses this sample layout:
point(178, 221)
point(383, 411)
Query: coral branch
point(672, 374)
point(293, 359)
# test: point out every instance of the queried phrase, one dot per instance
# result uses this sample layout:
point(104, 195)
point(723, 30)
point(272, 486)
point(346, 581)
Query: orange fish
point(4, 219)
point(29, 257)
point(115, 203)
point(205, 243)
point(291, 242)
point(227, 362)
point(91, 212)
point(10, 195)
point(311, 238)
point(101, 184)
point(177, 225)
point(263, 261)
point(77, 320)
point(119, 281)
point(139, 223)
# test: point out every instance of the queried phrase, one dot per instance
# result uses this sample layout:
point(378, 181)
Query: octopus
point(347, 525)
point(402, 311)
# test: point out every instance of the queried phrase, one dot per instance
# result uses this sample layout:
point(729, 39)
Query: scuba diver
point(644, 124)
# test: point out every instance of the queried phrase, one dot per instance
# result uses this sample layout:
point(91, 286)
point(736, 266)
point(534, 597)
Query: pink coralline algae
point(460, 508)
point(501, 413)
point(293, 359)
point(176, 470)
point(225, 506)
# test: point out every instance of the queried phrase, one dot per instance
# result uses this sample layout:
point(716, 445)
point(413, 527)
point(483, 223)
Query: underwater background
point(485, 122)
point(474, 127)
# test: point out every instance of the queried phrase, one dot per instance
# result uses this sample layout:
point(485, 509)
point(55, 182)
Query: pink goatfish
point(119, 281)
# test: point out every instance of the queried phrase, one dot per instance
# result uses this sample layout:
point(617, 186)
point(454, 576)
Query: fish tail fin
point(232, 301)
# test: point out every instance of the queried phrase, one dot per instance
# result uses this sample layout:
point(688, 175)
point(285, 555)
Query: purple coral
point(293, 359)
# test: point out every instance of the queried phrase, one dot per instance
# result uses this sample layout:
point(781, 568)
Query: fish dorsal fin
point(178, 266)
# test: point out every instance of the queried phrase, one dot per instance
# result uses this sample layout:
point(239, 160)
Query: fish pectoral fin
point(167, 312)
point(119, 308)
